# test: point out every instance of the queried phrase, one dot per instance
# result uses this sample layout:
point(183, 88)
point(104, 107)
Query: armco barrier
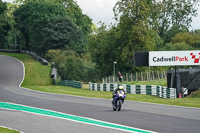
point(34, 55)
point(71, 83)
point(154, 90)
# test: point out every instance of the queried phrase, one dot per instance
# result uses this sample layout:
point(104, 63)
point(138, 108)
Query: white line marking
point(79, 121)
point(23, 71)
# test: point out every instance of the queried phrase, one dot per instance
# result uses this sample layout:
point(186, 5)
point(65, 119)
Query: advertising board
point(174, 58)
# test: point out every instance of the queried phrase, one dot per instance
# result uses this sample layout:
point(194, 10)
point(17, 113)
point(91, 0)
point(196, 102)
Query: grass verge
point(38, 78)
point(187, 102)
point(35, 72)
point(6, 130)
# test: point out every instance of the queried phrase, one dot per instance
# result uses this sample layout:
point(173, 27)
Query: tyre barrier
point(154, 90)
point(71, 83)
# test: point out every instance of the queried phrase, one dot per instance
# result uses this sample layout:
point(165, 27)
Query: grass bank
point(36, 74)
point(6, 130)
point(38, 78)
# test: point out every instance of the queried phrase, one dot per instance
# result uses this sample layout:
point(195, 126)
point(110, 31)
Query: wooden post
point(136, 77)
point(149, 74)
point(131, 77)
point(158, 75)
point(126, 77)
point(141, 76)
point(153, 75)
point(165, 74)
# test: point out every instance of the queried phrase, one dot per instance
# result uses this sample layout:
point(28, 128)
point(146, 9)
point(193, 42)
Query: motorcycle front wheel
point(114, 108)
point(119, 105)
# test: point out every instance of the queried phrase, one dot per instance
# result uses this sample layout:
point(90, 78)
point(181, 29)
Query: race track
point(151, 117)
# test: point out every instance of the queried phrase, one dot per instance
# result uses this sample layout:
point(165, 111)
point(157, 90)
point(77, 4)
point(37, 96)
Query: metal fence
point(138, 76)
point(34, 55)
point(188, 78)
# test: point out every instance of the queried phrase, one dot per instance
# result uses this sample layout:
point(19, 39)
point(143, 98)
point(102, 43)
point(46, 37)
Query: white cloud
point(98, 10)
point(196, 21)
point(8, 1)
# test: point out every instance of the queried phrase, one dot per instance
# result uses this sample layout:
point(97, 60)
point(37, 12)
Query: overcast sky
point(101, 10)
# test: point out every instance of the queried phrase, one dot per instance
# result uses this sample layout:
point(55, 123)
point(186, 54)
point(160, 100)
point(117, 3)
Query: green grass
point(187, 102)
point(5, 130)
point(38, 78)
point(35, 72)
point(195, 94)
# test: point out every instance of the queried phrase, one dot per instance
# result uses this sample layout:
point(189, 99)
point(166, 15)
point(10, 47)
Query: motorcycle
point(118, 100)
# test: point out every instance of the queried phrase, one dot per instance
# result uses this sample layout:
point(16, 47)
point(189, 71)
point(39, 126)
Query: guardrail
point(34, 55)
point(154, 90)
point(71, 83)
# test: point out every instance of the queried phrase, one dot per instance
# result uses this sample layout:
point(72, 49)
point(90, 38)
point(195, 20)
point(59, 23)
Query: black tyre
point(119, 105)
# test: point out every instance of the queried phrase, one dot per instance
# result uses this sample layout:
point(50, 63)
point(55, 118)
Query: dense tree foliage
point(32, 17)
point(81, 20)
point(174, 15)
point(72, 66)
point(62, 33)
point(4, 25)
point(190, 38)
point(105, 48)
point(74, 12)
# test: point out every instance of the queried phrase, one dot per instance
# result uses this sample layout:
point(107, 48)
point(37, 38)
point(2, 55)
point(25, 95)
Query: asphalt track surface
point(153, 117)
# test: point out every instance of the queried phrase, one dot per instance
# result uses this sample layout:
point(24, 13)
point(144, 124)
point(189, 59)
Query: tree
point(174, 13)
point(192, 39)
point(176, 47)
point(62, 33)
point(162, 16)
point(65, 60)
point(134, 30)
point(104, 48)
point(74, 12)
point(4, 25)
point(32, 17)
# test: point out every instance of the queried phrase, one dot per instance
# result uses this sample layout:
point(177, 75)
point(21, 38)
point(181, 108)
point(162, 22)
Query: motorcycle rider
point(120, 87)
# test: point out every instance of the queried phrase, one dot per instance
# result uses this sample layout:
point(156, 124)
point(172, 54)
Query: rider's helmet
point(120, 87)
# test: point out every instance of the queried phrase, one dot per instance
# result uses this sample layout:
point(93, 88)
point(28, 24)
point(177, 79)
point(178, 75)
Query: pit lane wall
point(154, 90)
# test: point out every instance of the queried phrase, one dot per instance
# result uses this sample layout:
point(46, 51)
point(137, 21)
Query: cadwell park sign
point(167, 58)
point(174, 58)
point(181, 79)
